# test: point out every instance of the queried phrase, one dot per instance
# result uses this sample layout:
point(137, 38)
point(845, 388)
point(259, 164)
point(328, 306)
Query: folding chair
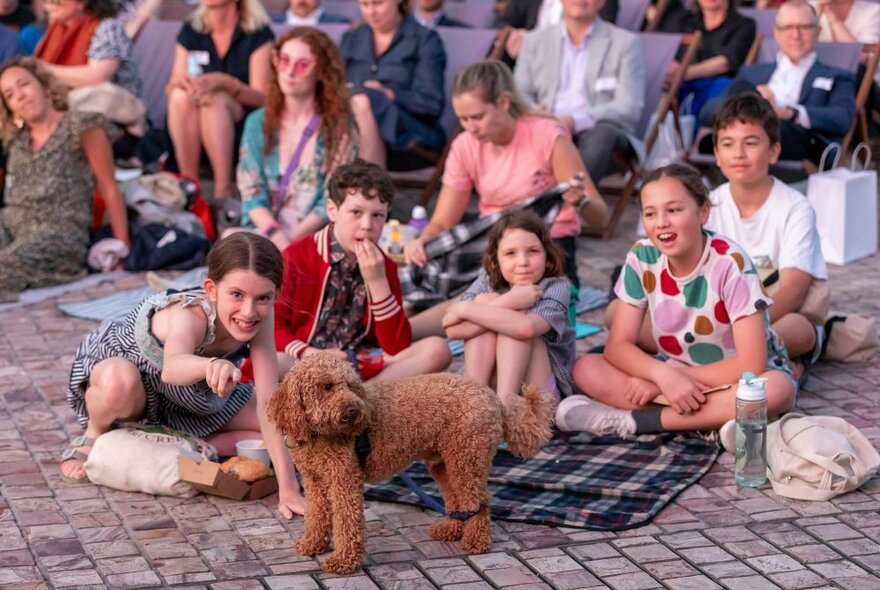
point(659, 10)
point(631, 14)
point(176, 10)
point(860, 125)
point(154, 54)
point(480, 15)
point(765, 19)
point(658, 51)
point(765, 23)
point(347, 8)
point(333, 30)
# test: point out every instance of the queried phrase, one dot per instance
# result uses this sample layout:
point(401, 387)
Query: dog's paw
point(446, 529)
point(340, 564)
point(311, 546)
point(477, 539)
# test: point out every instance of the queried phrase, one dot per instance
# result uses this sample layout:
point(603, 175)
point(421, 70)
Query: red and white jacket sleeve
point(390, 323)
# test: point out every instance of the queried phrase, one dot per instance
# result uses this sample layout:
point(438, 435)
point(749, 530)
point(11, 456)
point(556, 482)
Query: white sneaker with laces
point(578, 413)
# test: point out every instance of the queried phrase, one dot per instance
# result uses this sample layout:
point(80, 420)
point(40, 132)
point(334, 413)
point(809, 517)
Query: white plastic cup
point(254, 449)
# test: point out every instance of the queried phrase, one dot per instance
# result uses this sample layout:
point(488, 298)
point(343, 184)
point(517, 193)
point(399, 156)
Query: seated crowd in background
point(814, 102)
point(319, 122)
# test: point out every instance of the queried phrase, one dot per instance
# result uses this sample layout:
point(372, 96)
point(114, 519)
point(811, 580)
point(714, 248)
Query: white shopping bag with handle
point(845, 200)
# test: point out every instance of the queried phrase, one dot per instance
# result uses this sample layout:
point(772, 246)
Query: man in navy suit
point(429, 13)
point(815, 103)
point(307, 13)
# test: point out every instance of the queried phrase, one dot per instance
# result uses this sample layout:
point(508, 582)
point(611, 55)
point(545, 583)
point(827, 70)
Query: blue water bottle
point(751, 431)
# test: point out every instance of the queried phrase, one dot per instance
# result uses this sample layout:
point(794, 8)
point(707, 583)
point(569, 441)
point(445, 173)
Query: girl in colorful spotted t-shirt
point(708, 319)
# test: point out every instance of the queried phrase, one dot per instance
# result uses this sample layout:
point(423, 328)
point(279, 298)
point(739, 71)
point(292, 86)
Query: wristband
point(270, 229)
point(583, 201)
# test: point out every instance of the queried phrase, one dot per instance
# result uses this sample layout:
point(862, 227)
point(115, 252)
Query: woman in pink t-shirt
point(509, 154)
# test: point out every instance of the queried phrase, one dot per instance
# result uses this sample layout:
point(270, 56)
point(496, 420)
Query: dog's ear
point(357, 387)
point(287, 410)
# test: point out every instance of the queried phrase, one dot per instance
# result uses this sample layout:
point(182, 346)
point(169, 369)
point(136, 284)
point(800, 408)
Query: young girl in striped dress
point(175, 359)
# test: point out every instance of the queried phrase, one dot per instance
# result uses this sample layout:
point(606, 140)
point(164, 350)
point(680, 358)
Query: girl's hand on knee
point(222, 376)
point(640, 391)
point(685, 395)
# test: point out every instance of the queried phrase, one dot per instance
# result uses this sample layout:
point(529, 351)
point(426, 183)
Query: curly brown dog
point(452, 422)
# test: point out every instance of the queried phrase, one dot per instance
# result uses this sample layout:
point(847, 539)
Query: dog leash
point(362, 450)
point(434, 504)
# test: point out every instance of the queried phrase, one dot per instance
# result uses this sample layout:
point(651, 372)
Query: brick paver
point(715, 535)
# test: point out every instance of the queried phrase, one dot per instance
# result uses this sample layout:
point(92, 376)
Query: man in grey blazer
point(591, 75)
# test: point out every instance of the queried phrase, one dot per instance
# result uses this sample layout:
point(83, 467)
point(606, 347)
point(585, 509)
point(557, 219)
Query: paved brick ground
point(54, 534)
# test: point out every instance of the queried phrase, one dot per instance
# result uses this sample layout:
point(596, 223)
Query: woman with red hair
point(290, 147)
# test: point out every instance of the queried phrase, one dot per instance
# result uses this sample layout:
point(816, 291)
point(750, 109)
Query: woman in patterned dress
point(56, 158)
point(174, 361)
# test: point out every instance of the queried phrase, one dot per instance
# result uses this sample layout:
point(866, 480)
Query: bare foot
point(74, 467)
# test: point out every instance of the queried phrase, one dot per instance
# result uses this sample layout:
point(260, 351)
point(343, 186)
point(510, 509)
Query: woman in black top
point(727, 38)
point(221, 72)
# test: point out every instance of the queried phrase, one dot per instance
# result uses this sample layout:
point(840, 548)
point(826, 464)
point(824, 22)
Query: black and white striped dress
point(192, 408)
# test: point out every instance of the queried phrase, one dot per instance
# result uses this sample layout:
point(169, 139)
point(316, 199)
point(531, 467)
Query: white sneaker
point(578, 413)
point(727, 434)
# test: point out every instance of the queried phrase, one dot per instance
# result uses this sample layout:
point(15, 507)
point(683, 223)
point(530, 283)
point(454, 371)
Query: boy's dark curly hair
point(360, 176)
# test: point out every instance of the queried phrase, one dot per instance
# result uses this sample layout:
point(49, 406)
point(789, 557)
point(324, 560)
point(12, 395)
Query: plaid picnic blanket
point(599, 483)
point(454, 256)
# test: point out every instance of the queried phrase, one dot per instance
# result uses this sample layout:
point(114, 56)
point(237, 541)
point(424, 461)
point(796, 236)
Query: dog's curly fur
point(452, 422)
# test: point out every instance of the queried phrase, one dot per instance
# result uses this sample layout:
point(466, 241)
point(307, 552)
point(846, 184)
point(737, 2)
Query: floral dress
point(44, 227)
point(259, 177)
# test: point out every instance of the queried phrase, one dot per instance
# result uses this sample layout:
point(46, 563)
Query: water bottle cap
point(419, 212)
point(751, 388)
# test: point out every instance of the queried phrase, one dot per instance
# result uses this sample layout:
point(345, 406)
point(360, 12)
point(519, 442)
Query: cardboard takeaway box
point(207, 477)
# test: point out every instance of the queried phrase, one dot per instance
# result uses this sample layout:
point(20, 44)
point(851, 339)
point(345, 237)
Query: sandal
point(72, 452)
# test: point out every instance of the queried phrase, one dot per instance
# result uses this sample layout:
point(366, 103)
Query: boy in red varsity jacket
point(340, 293)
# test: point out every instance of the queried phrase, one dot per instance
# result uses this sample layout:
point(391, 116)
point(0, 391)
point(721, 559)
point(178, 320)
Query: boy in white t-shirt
point(775, 224)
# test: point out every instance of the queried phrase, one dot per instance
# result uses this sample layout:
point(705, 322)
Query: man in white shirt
point(775, 224)
point(814, 102)
point(307, 13)
point(524, 15)
point(590, 74)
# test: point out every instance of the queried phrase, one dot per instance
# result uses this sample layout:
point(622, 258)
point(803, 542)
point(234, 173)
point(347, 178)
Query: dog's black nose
point(350, 413)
